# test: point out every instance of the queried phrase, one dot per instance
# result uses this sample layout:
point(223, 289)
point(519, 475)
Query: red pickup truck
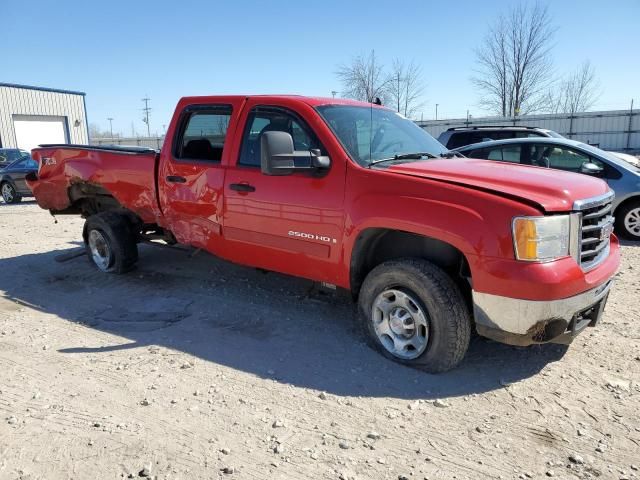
point(356, 196)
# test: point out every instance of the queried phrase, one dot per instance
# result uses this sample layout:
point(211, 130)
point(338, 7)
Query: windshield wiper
point(404, 156)
point(451, 154)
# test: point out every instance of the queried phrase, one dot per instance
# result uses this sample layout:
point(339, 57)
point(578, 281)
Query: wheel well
point(626, 202)
point(376, 245)
point(88, 199)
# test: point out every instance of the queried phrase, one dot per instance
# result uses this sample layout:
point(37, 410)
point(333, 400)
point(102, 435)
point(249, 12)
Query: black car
point(461, 136)
point(12, 183)
point(10, 155)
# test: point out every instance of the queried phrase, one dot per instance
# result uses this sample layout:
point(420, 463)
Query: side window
point(495, 154)
point(511, 154)
point(481, 153)
point(564, 158)
point(203, 133)
point(14, 155)
point(261, 120)
point(460, 139)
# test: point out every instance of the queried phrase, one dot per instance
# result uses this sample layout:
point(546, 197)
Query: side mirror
point(590, 168)
point(277, 156)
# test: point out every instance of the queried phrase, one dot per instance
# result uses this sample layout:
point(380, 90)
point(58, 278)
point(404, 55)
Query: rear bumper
point(525, 322)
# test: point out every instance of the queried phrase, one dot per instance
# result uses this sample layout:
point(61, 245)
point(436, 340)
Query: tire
point(437, 336)
point(628, 220)
point(110, 242)
point(9, 193)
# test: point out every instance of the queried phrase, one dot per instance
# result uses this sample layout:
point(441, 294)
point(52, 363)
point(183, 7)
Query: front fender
point(477, 223)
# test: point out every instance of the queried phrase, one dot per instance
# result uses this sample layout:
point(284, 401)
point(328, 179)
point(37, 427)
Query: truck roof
point(312, 101)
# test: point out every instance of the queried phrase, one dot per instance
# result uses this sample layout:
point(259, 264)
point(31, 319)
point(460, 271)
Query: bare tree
point(405, 87)
point(514, 60)
point(364, 78)
point(578, 92)
point(96, 132)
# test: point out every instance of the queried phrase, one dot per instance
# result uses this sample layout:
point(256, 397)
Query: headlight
point(539, 239)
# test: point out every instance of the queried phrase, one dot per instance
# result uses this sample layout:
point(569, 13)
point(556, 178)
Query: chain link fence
point(149, 142)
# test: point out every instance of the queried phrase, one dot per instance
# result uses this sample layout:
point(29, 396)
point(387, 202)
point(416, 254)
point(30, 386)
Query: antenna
point(146, 111)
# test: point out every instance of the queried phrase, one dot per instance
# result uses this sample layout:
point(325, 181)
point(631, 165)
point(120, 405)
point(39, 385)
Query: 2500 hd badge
point(312, 236)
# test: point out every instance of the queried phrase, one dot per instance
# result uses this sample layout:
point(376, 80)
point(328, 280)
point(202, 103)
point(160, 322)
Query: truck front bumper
point(526, 322)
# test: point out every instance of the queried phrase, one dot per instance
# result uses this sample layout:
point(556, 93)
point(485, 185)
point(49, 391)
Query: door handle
point(242, 187)
point(176, 179)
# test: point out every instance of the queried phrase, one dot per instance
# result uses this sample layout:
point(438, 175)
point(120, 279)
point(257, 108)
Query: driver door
point(294, 223)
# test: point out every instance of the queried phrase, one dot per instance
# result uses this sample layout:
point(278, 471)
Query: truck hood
point(551, 190)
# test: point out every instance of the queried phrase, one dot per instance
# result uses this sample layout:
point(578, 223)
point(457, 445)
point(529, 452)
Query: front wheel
point(412, 312)
point(111, 243)
point(628, 220)
point(9, 193)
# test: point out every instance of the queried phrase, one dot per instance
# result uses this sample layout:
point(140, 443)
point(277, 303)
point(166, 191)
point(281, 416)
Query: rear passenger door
point(19, 171)
point(191, 176)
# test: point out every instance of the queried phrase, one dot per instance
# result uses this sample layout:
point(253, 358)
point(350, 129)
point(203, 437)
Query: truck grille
point(596, 225)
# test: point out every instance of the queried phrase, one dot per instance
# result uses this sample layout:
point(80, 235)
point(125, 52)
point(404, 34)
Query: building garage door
point(34, 130)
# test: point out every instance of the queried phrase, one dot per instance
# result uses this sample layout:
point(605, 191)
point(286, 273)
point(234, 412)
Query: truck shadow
point(267, 324)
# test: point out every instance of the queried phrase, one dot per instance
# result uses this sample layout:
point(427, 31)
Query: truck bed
point(67, 172)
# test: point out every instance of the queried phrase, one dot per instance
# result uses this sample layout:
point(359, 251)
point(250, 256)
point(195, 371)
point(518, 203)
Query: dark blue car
point(12, 179)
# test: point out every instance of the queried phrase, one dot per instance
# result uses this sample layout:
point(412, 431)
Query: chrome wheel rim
point(100, 250)
point(400, 323)
point(632, 221)
point(7, 193)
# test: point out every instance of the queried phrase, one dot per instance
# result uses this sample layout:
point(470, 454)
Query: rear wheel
point(9, 193)
point(628, 220)
point(111, 243)
point(412, 312)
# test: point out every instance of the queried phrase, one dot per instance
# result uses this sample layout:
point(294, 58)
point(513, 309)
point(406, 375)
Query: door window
point(203, 133)
point(509, 153)
point(565, 158)
point(264, 119)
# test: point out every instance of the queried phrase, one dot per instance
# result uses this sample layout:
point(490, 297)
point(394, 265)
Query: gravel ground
point(191, 367)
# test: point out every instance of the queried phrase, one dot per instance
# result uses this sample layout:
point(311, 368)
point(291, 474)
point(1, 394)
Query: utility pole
point(398, 90)
point(436, 111)
point(111, 126)
point(146, 111)
point(334, 93)
point(630, 125)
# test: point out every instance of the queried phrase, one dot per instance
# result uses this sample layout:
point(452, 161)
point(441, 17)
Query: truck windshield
point(373, 134)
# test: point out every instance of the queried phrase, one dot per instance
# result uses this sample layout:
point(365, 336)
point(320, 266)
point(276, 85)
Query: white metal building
point(31, 116)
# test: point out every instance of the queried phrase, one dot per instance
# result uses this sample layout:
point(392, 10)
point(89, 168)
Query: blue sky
point(118, 52)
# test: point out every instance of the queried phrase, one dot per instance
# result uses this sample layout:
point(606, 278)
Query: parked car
point(12, 179)
point(354, 195)
point(574, 156)
point(632, 159)
point(460, 136)
point(10, 155)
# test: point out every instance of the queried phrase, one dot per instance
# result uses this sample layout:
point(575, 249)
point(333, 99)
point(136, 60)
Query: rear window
point(203, 131)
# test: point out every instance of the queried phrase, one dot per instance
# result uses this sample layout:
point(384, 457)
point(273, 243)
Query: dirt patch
point(193, 367)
